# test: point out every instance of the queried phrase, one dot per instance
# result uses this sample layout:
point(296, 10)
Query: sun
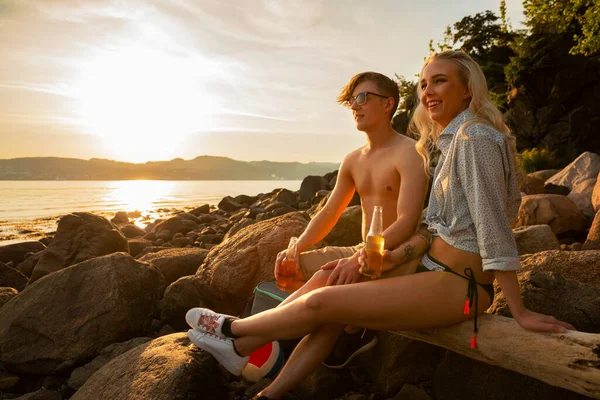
point(143, 102)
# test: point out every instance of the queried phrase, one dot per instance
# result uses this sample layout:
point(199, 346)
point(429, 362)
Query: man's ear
point(389, 103)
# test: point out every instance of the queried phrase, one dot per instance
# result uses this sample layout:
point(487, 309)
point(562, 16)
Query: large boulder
point(585, 186)
point(535, 238)
point(311, 185)
point(596, 194)
point(11, 277)
point(560, 213)
point(7, 293)
point(592, 241)
point(80, 375)
point(229, 204)
point(532, 185)
point(544, 174)
point(238, 226)
point(581, 266)
point(176, 263)
point(169, 367)
point(181, 223)
point(132, 231)
point(68, 316)
point(183, 294)
point(138, 245)
point(583, 202)
point(582, 196)
point(233, 268)
point(41, 394)
point(586, 166)
point(550, 293)
point(347, 231)
point(203, 209)
point(16, 252)
point(79, 237)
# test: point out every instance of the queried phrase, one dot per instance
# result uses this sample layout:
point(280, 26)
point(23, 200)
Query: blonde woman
point(474, 196)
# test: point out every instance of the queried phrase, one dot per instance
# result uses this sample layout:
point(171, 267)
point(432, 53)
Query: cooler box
point(267, 296)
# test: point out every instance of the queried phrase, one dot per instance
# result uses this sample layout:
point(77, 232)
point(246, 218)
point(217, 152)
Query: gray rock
point(176, 263)
point(16, 252)
point(11, 277)
point(233, 268)
point(586, 166)
point(557, 211)
point(550, 293)
point(310, 186)
point(80, 236)
point(67, 317)
point(535, 238)
point(138, 245)
point(80, 375)
point(203, 209)
point(544, 175)
point(6, 294)
point(347, 231)
point(132, 231)
point(169, 367)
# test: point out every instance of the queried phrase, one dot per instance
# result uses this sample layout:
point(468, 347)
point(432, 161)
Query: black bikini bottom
point(430, 264)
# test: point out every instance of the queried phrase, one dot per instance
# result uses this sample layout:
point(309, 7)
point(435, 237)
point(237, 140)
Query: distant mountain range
point(200, 168)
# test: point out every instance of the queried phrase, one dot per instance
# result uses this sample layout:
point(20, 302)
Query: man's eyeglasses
point(361, 99)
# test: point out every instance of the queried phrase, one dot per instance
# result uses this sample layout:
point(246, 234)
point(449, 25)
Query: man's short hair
point(386, 86)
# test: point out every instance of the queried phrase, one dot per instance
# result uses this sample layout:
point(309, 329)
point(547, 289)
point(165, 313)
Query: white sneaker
point(205, 320)
point(221, 349)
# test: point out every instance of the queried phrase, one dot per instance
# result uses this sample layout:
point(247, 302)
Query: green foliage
point(536, 160)
point(500, 100)
point(578, 19)
point(484, 38)
point(408, 94)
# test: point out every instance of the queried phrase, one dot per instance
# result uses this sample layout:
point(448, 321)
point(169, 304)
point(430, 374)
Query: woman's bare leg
point(419, 301)
point(247, 344)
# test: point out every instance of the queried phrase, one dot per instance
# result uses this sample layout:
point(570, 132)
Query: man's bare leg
point(310, 352)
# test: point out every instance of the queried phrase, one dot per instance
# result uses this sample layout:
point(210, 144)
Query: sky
point(140, 80)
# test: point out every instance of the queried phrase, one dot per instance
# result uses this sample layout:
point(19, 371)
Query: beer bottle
point(375, 244)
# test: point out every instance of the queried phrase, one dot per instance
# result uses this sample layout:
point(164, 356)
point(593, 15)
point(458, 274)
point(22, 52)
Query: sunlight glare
point(139, 195)
point(143, 102)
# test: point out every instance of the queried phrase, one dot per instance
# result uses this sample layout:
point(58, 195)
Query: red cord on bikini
point(467, 309)
point(474, 341)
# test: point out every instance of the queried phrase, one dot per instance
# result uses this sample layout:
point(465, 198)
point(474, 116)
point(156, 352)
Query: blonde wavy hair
point(481, 106)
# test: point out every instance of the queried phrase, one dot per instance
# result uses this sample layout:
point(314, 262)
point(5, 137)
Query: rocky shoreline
point(95, 310)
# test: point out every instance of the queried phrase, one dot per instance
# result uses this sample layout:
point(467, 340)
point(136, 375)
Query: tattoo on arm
point(409, 252)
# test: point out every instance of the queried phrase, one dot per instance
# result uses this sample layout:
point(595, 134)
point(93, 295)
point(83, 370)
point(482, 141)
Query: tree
point(489, 42)
point(579, 19)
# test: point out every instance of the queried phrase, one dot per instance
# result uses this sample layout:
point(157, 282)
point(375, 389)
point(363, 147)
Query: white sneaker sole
point(233, 368)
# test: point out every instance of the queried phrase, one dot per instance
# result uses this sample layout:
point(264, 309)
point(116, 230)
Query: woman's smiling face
point(443, 92)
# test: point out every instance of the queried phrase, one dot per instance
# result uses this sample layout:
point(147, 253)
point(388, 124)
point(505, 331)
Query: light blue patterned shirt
point(475, 194)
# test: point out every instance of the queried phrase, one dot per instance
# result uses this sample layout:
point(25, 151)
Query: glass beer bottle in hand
point(288, 267)
point(375, 244)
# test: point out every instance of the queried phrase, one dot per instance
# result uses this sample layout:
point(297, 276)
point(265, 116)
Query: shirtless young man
point(387, 171)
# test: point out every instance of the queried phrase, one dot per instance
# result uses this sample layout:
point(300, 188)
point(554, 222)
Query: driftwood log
point(570, 360)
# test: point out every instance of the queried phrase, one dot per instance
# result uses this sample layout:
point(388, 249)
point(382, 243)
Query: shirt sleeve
point(484, 162)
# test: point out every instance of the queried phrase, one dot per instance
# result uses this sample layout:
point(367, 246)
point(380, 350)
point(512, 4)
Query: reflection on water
point(140, 195)
point(36, 205)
